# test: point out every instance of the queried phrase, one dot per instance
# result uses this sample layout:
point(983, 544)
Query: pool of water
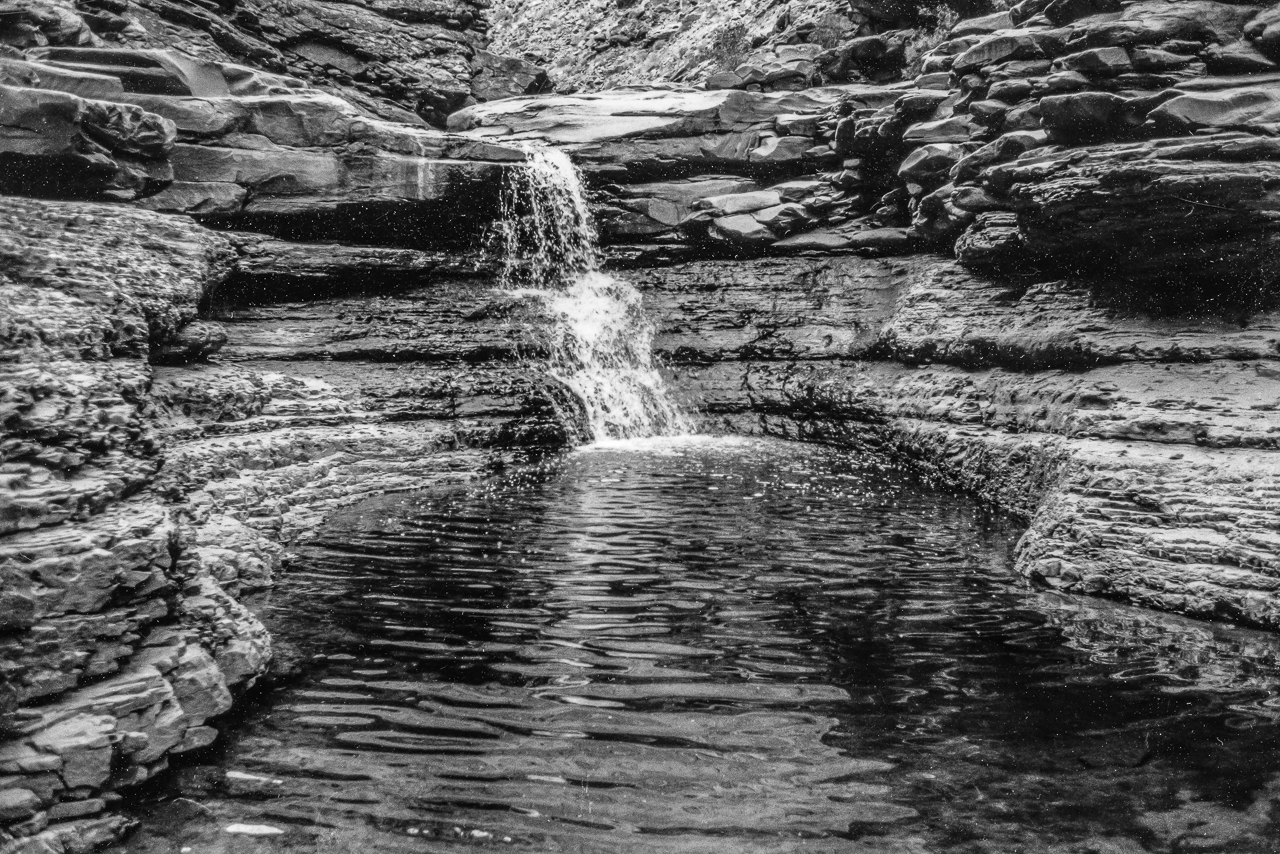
point(725, 645)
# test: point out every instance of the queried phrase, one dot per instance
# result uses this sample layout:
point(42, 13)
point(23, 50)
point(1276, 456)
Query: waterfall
point(601, 342)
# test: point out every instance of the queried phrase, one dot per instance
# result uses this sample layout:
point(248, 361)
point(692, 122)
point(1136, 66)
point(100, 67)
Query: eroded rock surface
point(1141, 446)
point(1039, 267)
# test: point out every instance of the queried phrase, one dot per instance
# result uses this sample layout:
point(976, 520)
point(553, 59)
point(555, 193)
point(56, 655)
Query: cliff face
point(1100, 354)
point(242, 283)
point(764, 44)
point(180, 404)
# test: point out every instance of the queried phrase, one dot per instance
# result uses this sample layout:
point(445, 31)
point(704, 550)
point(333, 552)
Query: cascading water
point(601, 342)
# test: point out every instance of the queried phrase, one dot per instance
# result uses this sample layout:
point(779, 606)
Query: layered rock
point(181, 405)
point(230, 144)
point(1141, 445)
point(724, 170)
point(128, 641)
point(402, 62)
point(757, 44)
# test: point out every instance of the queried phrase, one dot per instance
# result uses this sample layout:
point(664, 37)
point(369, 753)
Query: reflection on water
point(729, 646)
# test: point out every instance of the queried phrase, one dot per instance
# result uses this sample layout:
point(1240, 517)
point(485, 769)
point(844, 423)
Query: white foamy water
point(601, 342)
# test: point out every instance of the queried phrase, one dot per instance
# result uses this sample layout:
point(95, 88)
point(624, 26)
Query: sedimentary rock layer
point(1143, 448)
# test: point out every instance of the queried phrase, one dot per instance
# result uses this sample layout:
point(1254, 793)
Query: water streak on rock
point(601, 341)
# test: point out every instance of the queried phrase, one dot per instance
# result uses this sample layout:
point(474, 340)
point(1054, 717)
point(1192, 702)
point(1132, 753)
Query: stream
point(723, 645)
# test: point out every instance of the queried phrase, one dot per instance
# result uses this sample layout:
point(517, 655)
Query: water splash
point(601, 342)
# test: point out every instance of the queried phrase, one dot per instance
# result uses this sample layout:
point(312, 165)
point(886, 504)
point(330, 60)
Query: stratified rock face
point(226, 142)
point(757, 44)
point(147, 489)
point(1144, 447)
point(723, 171)
point(109, 617)
point(408, 62)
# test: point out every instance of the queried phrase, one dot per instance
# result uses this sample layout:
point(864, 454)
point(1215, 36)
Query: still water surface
point(725, 645)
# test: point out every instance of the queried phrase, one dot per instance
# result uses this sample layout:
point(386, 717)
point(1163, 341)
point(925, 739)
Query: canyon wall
point(1043, 268)
point(244, 281)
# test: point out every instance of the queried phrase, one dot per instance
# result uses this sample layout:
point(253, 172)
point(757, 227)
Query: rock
point(58, 143)
point(738, 202)
point(938, 81)
point(952, 130)
point(817, 240)
point(880, 240)
point(1231, 108)
point(797, 125)
point(742, 229)
point(1082, 114)
point(991, 241)
point(196, 341)
point(17, 804)
point(1236, 58)
point(1154, 59)
point(724, 80)
point(1006, 46)
point(1010, 91)
point(782, 219)
point(495, 77)
point(36, 75)
point(1062, 12)
point(1152, 22)
point(1263, 31)
point(983, 25)
point(1098, 62)
point(150, 72)
point(1002, 149)
point(929, 164)
point(1147, 228)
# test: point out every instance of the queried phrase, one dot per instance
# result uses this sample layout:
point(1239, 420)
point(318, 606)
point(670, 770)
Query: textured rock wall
point(121, 632)
point(410, 62)
point(762, 44)
point(162, 442)
point(1143, 448)
point(149, 489)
